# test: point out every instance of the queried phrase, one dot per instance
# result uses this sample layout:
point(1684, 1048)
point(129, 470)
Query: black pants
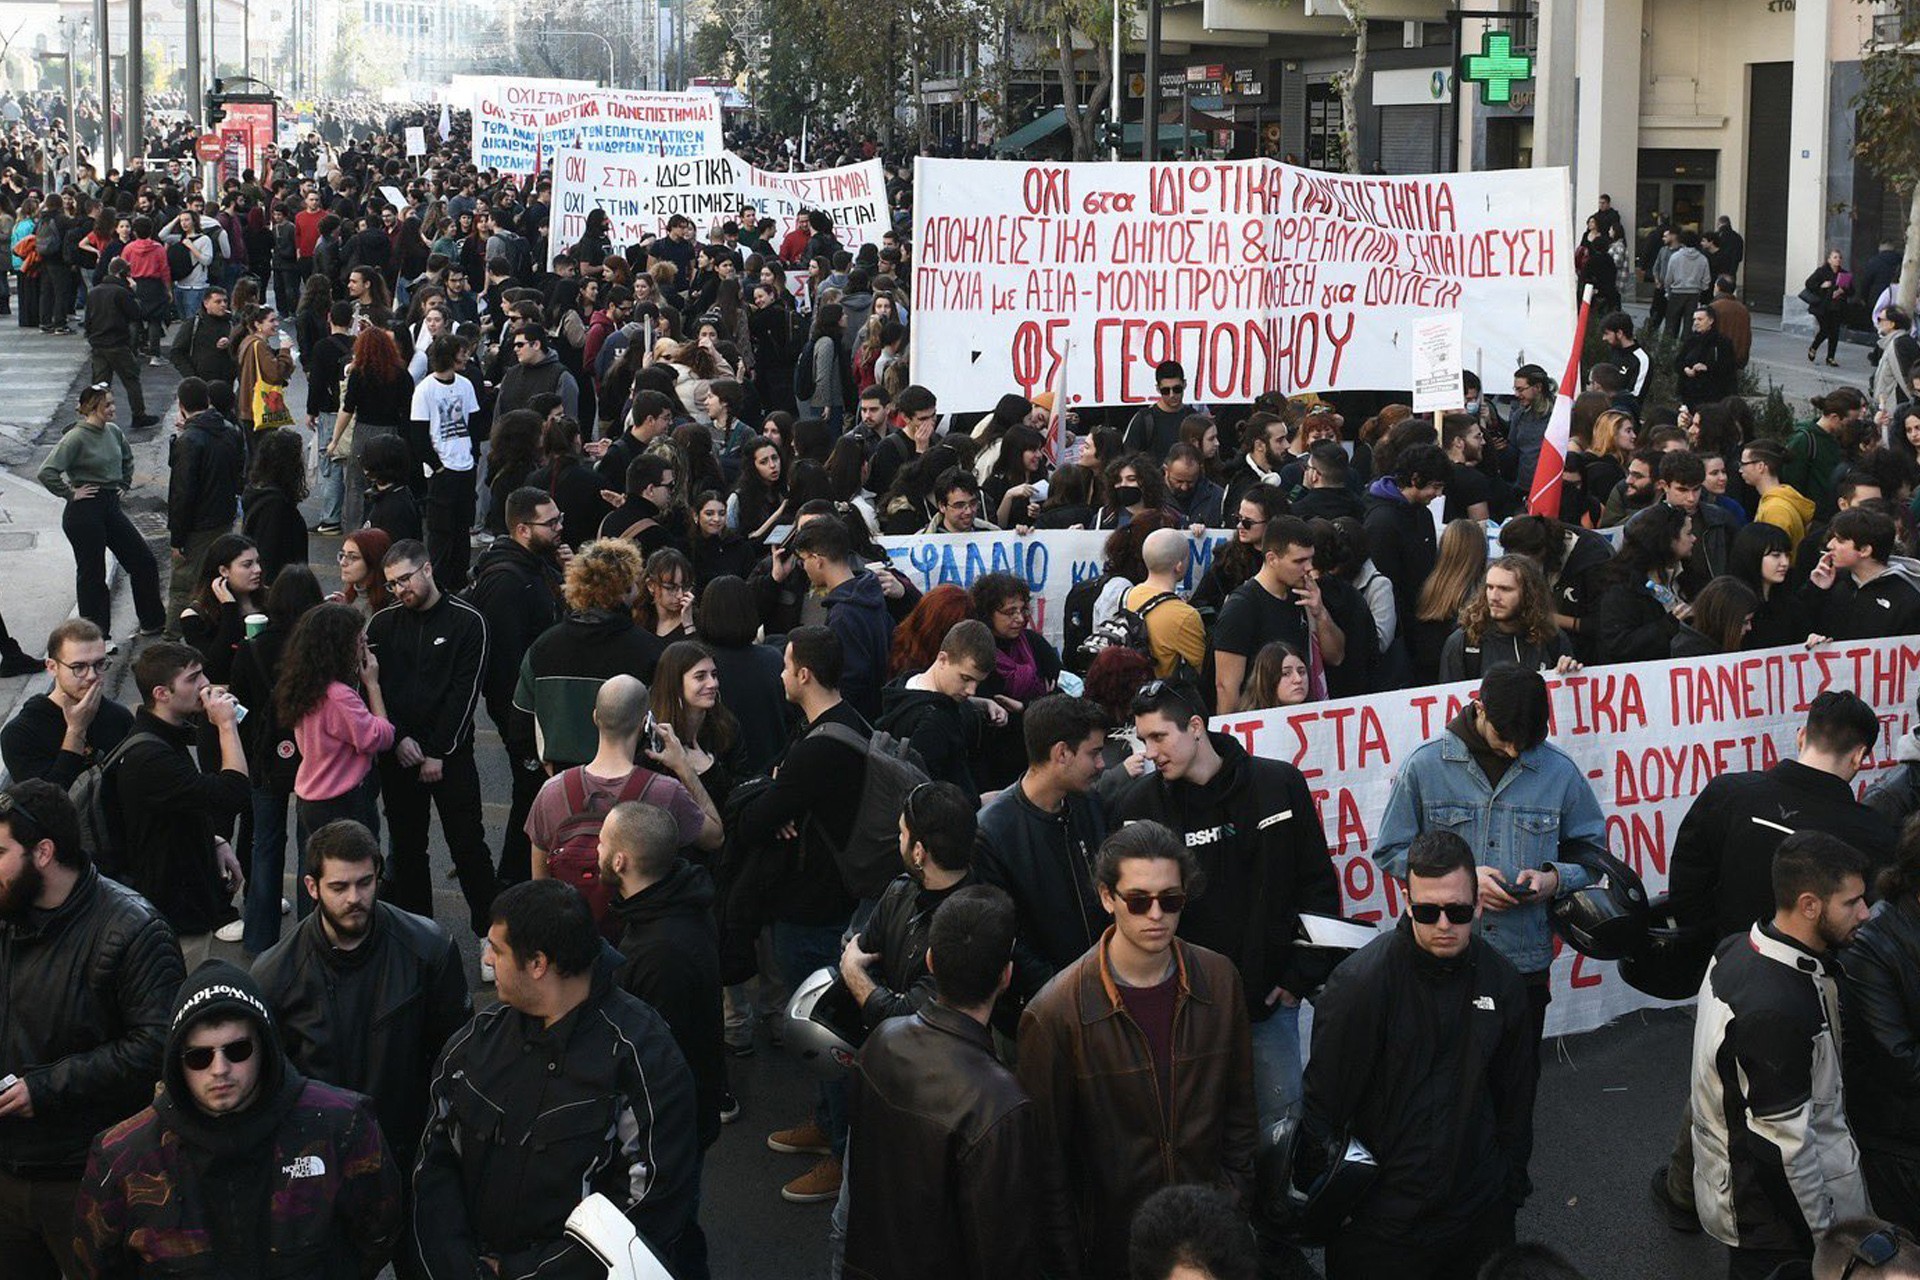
point(286, 290)
point(121, 363)
point(1829, 332)
point(30, 299)
point(449, 515)
point(1680, 308)
point(1353, 1255)
point(457, 797)
point(523, 766)
point(36, 1228)
point(95, 526)
point(56, 295)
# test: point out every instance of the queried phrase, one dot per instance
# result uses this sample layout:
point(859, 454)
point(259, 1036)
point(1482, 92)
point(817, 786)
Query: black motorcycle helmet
point(1607, 920)
point(1672, 960)
point(1282, 1209)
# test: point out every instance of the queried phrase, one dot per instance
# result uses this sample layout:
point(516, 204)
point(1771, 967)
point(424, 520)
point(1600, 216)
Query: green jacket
point(1813, 461)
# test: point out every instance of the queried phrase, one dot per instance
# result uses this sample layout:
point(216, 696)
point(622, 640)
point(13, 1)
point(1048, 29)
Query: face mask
point(1473, 407)
point(1126, 495)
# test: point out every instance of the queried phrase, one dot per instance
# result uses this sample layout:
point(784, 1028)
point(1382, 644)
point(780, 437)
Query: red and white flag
point(1057, 418)
point(1543, 495)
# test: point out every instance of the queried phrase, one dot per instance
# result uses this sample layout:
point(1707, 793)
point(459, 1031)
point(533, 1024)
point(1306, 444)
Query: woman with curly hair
point(270, 508)
point(916, 640)
point(759, 499)
point(513, 451)
point(1507, 622)
point(685, 694)
point(1025, 667)
point(329, 692)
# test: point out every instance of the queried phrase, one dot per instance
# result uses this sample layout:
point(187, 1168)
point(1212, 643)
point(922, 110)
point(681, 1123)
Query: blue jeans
point(260, 916)
point(1276, 1065)
point(333, 479)
point(799, 949)
point(187, 301)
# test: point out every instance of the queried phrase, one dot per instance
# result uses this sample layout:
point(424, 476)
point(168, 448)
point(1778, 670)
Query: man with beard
point(1775, 1165)
point(366, 995)
point(241, 1166)
point(1469, 490)
point(88, 972)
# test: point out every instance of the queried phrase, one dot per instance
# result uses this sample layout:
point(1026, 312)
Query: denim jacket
point(1541, 810)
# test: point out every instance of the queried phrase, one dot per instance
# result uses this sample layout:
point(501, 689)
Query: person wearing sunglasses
point(1156, 427)
point(1458, 1017)
point(1775, 1162)
point(88, 994)
point(1137, 1055)
point(1252, 826)
point(1867, 1248)
point(240, 1164)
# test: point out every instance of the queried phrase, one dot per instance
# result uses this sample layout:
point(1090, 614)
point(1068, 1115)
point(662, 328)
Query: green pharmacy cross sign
point(1495, 68)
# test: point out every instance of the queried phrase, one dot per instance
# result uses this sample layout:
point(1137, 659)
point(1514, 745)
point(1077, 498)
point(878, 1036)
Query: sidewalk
point(1780, 359)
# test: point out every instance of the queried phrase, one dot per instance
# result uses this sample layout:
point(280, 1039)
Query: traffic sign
point(208, 146)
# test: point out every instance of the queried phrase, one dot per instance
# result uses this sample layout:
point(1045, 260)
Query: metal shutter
point(1409, 139)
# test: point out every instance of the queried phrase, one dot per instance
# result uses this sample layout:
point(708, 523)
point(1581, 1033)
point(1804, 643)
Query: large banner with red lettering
point(517, 137)
point(1647, 735)
point(1255, 276)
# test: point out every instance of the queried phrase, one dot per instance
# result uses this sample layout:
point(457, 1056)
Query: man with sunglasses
point(1867, 1248)
point(1252, 826)
point(1423, 1051)
point(55, 735)
point(1137, 1055)
point(241, 1166)
point(1156, 427)
point(517, 589)
point(88, 971)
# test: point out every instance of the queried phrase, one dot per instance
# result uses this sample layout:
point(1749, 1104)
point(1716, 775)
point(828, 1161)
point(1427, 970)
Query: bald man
point(1175, 633)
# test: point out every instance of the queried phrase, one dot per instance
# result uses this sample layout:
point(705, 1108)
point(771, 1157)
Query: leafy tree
point(1887, 121)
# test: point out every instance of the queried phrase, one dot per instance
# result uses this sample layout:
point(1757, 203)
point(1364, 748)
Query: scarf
point(1018, 669)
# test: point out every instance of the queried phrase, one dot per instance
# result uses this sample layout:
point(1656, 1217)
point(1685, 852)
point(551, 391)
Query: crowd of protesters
point(1042, 926)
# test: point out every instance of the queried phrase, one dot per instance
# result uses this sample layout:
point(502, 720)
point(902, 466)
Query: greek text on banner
point(1255, 276)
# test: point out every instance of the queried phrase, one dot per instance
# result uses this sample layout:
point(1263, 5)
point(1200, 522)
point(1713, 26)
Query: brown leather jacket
point(1088, 1067)
point(952, 1176)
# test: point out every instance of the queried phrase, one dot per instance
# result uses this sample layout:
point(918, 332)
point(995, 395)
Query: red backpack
point(575, 857)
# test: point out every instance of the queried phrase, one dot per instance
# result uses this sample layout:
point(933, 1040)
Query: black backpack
point(92, 795)
point(871, 858)
point(804, 383)
point(179, 260)
point(1126, 628)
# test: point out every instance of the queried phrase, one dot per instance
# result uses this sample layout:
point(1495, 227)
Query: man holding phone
point(1521, 804)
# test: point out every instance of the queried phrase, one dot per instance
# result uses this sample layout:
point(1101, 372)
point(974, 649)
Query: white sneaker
point(231, 932)
point(486, 972)
point(286, 908)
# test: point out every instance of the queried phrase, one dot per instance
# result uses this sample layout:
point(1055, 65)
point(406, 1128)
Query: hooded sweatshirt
point(298, 1174)
point(671, 954)
point(857, 613)
point(937, 727)
point(1401, 542)
point(1785, 507)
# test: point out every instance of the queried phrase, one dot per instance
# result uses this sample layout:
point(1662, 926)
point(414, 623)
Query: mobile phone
point(650, 730)
point(1514, 889)
point(8, 1081)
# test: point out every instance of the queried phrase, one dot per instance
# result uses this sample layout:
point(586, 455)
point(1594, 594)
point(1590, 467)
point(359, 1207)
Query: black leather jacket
point(1880, 1014)
point(372, 1019)
point(952, 1176)
point(898, 932)
point(86, 995)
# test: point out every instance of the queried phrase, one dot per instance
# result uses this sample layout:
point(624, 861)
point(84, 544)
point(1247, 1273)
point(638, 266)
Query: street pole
point(196, 110)
point(1150, 91)
point(105, 88)
point(136, 87)
point(1113, 96)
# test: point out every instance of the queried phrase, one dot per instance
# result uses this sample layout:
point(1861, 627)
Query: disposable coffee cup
point(256, 623)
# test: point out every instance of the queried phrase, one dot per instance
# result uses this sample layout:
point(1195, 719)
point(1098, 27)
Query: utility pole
point(195, 110)
point(136, 82)
point(103, 46)
point(1150, 91)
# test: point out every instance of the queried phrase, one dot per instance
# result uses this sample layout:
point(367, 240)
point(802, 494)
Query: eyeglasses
point(1011, 611)
point(85, 668)
point(674, 588)
point(1139, 901)
point(200, 1057)
point(554, 523)
point(1242, 522)
point(1168, 388)
point(347, 557)
point(1430, 912)
point(1876, 1250)
point(394, 584)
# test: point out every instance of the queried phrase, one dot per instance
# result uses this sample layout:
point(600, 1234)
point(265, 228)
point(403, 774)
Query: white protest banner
point(1050, 561)
point(416, 140)
point(854, 196)
point(638, 194)
point(615, 122)
point(1256, 276)
point(1648, 736)
point(394, 197)
point(1436, 364)
point(517, 93)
